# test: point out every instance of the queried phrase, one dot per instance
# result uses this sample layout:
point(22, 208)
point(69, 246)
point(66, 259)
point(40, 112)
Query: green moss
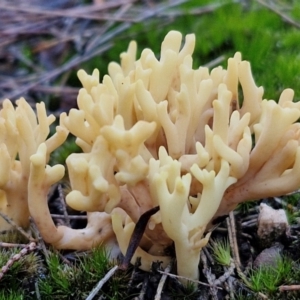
point(76, 280)
point(268, 279)
point(11, 295)
point(221, 251)
point(17, 280)
point(244, 207)
point(60, 155)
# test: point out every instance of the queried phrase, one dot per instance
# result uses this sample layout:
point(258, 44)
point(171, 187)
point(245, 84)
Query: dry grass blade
point(102, 282)
point(275, 8)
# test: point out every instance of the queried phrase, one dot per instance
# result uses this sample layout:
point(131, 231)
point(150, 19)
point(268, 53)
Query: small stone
point(272, 225)
point(268, 257)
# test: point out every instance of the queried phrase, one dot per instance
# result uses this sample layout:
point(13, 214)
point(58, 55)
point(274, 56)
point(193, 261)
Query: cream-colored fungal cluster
point(156, 132)
point(22, 130)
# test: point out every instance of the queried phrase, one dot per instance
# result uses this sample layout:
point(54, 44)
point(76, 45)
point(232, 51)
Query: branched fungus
point(156, 132)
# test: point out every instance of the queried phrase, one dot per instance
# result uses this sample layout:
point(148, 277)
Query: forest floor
point(43, 44)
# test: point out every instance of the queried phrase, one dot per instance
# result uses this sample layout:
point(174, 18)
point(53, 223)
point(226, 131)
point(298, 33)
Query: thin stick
point(30, 247)
point(12, 245)
point(232, 238)
point(102, 282)
point(162, 281)
point(189, 279)
point(209, 276)
point(37, 234)
point(215, 62)
point(295, 287)
point(234, 249)
point(14, 225)
point(228, 272)
point(37, 290)
point(143, 289)
point(76, 217)
point(63, 205)
point(208, 256)
point(283, 16)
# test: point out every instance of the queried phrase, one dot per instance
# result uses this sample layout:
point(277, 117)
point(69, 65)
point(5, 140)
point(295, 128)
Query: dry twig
point(181, 277)
point(102, 282)
point(30, 247)
point(61, 198)
point(234, 247)
point(18, 228)
point(294, 287)
point(285, 17)
point(162, 281)
point(209, 276)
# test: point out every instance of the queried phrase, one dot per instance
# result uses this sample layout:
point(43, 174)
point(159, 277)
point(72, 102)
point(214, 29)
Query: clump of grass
point(246, 296)
point(187, 293)
point(292, 216)
point(221, 251)
point(246, 206)
point(17, 280)
point(267, 279)
point(76, 280)
point(56, 279)
point(11, 295)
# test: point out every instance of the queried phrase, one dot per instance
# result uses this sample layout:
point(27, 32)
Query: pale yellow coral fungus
point(180, 138)
point(21, 132)
point(156, 132)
